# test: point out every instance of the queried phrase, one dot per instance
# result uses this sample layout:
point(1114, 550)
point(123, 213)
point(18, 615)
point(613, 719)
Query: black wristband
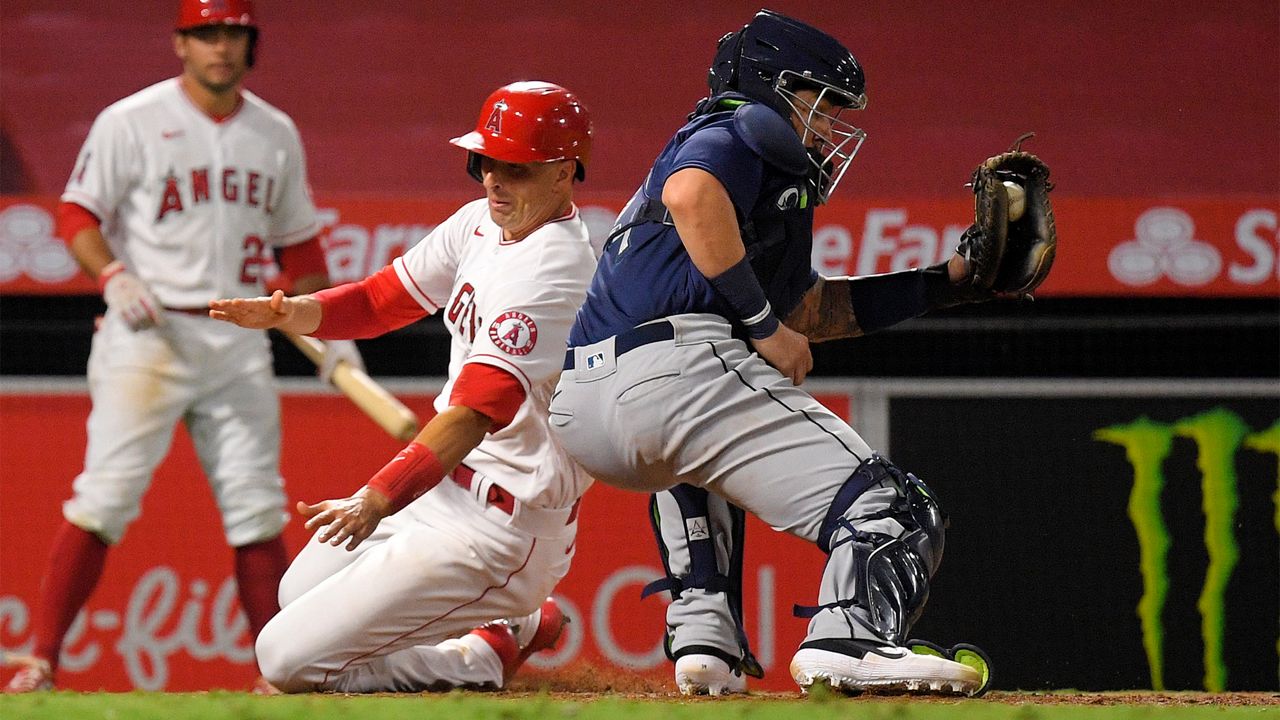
point(741, 290)
point(881, 301)
point(938, 291)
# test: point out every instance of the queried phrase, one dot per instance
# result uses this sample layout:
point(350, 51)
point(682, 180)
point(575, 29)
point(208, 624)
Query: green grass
point(477, 706)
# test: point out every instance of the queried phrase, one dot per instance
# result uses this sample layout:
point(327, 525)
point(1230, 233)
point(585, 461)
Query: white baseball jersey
point(190, 204)
point(509, 305)
point(451, 560)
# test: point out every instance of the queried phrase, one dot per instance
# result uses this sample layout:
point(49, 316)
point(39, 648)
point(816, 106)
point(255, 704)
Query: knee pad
point(914, 506)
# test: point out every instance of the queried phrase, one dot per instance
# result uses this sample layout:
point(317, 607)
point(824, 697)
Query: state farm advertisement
point(166, 615)
point(1166, 247)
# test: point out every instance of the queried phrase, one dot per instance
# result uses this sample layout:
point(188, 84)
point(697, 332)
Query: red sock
point(259, 568)
point(75, 564)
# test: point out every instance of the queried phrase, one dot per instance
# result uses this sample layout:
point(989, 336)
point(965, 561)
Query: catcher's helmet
point(771, 59)
point(194, 14)
point(529, 122)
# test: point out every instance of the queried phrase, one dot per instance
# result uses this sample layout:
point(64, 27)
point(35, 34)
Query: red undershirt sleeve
point(488, 390)
point(73, 218)
point(374, 306)
point(303, 259)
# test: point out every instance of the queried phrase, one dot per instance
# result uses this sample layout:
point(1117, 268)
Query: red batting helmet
point(529, 122)
point(195, 13)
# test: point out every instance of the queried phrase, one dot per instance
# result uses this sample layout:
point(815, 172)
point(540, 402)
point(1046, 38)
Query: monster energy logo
point(1218, 435)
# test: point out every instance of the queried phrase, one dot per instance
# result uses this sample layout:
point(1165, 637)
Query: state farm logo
point(1165, 246)
point(28, 247)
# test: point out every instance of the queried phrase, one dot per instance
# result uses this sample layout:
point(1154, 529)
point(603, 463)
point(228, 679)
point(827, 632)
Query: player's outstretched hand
point(350, 519)
point(788, 351)
point(260, 313)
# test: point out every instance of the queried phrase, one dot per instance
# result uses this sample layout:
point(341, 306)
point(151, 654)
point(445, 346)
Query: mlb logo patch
point(595, 360)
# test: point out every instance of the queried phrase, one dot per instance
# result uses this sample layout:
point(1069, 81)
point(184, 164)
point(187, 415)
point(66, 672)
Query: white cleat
point(860, 666)
point(707, 675)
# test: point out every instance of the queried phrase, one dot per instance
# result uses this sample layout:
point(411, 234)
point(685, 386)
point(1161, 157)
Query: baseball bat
point(389, 413)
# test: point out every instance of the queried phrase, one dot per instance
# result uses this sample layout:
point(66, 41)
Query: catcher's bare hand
point(788, 351)
point(350, 519)
point(260, 313)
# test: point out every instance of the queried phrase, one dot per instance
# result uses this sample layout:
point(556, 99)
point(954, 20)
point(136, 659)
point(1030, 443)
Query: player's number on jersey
point(254, 259)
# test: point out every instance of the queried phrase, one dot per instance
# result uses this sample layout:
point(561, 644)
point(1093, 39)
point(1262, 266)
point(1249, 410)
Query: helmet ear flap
point(473, 166)
point(251, 54)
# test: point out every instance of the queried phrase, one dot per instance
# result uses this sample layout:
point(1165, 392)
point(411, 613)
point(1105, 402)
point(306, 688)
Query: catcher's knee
point(880, 497)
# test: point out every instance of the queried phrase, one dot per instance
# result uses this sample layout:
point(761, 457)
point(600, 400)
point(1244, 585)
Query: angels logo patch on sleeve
point(514, 333)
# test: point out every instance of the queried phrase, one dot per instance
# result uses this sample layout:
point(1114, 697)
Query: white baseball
point(1017, 200)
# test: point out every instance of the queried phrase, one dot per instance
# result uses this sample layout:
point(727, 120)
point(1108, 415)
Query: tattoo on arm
point(825, 313)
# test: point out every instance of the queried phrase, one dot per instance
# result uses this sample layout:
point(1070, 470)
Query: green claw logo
point(1218, 434)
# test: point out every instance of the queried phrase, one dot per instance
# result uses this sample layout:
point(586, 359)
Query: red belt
point(204, 311)
point(496, 496)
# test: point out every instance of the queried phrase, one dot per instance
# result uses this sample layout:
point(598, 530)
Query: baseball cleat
point(857, 666)
point(963, 653)
point(498, 636)
point(551, 622)
point(34, 674)
point(501, 635)
point(698, 674)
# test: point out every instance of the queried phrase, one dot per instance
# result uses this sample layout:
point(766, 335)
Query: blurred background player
point(408, 604)
point(705, 259)
point(179, 192)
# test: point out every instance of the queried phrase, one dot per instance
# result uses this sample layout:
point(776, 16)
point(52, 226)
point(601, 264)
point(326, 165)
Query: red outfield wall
point(1143, 97)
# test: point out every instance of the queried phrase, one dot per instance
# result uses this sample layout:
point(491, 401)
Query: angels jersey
point(509, 305)
point(190, 204)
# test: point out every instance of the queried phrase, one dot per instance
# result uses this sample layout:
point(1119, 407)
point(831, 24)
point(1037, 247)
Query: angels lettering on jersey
point(513, 332)
point(234, 185)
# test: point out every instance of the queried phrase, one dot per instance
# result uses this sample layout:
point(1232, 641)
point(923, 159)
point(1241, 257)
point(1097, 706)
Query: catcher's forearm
point(845, 307)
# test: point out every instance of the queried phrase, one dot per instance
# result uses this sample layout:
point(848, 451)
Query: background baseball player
point(396, 609)
point(661, 386)
point(178, 196)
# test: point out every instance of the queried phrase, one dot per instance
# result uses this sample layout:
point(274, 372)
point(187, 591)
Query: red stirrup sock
point(75, 565)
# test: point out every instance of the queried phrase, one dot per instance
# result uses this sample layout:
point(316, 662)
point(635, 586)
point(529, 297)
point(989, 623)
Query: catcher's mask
point(529, 122)
point(195, 14)
point(773, 58)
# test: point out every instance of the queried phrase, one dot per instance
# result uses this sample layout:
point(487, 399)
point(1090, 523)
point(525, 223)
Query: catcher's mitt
point(1024, 248)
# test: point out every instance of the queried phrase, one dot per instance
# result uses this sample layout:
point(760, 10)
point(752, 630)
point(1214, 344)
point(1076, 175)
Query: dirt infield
point(586, 682)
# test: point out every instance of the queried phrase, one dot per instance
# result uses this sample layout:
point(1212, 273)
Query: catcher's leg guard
point(884, 535)
point(700, 537)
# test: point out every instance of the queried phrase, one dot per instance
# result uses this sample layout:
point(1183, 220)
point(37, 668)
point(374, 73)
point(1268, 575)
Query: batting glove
point(337, 351)
point(129, 296)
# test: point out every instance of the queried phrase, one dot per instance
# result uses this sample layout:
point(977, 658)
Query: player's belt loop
point(634, 338)
point(496, 496)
